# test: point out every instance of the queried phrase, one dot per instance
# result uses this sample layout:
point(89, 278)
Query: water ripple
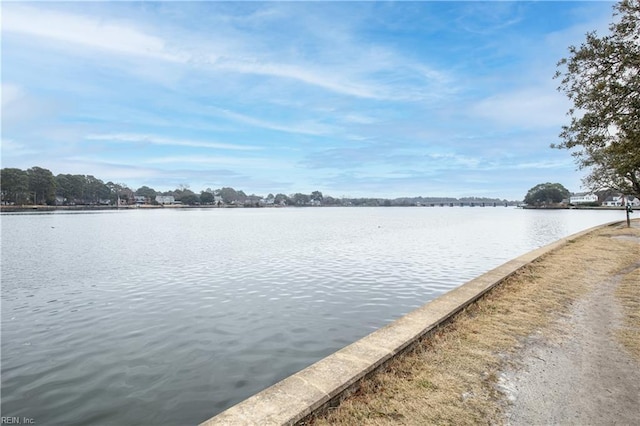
point(171, 316)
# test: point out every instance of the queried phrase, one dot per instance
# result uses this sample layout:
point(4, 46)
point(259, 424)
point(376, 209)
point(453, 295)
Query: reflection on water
point(169, 316)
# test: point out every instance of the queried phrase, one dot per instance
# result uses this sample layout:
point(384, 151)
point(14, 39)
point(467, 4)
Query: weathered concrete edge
point(301, 394)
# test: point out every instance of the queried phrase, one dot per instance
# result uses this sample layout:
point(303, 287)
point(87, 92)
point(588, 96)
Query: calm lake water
point(171, 316)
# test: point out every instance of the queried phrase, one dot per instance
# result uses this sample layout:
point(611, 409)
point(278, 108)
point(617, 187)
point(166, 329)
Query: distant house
point(619, 200)
point(615, 201)
point(165, 199)
point(141, 199)
point(584, 198)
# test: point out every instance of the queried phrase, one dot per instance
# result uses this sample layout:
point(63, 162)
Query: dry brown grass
point(628, 293)
point(450, 377)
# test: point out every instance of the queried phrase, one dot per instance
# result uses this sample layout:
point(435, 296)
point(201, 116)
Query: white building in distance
point(621, 200)
point(584, 198)
point(165, 199)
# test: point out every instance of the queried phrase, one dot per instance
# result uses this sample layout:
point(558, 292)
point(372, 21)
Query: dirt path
point(587, 378)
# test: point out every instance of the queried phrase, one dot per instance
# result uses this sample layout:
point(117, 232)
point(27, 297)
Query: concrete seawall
point(328, 380)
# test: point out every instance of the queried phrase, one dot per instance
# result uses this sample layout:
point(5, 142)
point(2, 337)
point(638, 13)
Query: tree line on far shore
point(555, 194)
point(38, 185)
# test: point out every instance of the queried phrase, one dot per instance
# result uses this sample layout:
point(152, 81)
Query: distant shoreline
point(45, 208)
point(575, 208)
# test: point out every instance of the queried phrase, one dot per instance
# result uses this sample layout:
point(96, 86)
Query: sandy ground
point(583, 378)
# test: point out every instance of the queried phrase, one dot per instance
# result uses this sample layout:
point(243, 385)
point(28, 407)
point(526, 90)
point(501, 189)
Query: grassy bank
point(451, 377)
point(629, 296)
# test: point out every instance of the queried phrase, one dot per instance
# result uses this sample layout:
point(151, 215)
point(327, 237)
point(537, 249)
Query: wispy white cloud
point(453, 161)
point(217, 161)
point(485, 21)
point(11, 148)
point(11, 93)
point(375, 73)
point(536, 165)
point(528, 107)
point(103, 169)
point(159, 140)
point(356, 118)
point(22, 108)
point(307, 127)
point(327, 81)
point(85, 31)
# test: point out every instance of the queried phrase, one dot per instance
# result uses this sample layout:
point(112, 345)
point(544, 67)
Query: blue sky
point(356, 99)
